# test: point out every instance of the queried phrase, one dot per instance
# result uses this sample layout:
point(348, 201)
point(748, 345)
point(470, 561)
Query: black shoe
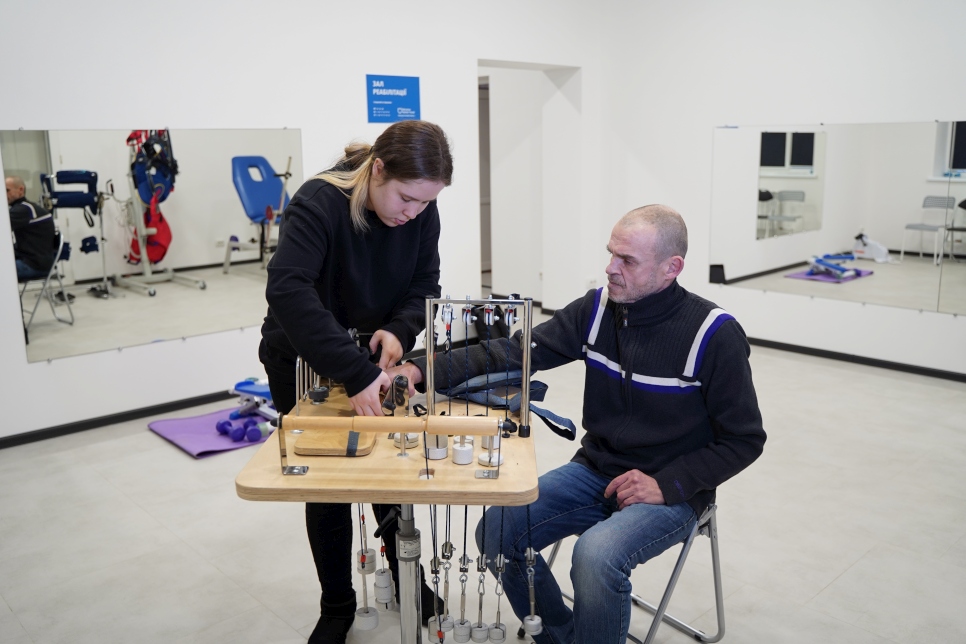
point(334, 624)
point(62, 296)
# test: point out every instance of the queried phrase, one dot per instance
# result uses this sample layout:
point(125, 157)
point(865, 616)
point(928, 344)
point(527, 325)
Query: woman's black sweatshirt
point(326, 278)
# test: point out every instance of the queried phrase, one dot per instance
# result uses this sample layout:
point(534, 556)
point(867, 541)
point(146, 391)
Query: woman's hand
point(367, 402)
point(392, 351)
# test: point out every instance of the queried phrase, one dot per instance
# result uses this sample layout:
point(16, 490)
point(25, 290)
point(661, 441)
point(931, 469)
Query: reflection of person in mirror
point(33, 232)
point(358, 249)
point(670, 413)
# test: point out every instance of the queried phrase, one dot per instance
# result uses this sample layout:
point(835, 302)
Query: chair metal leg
point(50, 298)
point(229, 245)
point(707, 524)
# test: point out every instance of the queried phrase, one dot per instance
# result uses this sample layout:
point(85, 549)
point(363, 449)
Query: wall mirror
point(204, 212)
point(900, 186)
point(791, 174)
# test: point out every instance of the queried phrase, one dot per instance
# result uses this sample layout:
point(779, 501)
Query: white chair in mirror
point(935, 210)
point(792, 207)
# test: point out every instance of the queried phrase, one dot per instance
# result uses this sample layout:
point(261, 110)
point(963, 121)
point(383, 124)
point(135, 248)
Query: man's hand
point(633, 487)
point(367, 402)
point(412, 373)
point(392, 351)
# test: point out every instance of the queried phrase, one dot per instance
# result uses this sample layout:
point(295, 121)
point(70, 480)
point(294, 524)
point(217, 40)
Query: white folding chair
point(706, 525)
point(934, 213)
point(792, 206)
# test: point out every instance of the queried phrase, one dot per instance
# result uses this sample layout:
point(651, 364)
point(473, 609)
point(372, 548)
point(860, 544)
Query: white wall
point(655, 79)
point(681, 69)
point(203, 210)
point(300, 65)
point(544, 225)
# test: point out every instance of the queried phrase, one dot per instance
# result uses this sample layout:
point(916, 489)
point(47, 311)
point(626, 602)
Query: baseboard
point(869, 362)
point(94, 423)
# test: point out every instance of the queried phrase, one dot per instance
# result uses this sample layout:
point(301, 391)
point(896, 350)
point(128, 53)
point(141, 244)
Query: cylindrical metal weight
point(435, 449)
point(366, 619)
point(497, 632)
point(366, 561)
point(383, 594)
point(461, 630)
point(412, 440)
point(383, 578)
point(480, 633)
point(462, 454)
point(490, 461)
point(533, 625)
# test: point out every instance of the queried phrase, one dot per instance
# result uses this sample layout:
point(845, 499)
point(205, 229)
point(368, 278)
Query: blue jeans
point(611, 543)
point(26, 272)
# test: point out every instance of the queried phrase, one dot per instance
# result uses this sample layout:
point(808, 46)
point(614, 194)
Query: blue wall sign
point(392, 98)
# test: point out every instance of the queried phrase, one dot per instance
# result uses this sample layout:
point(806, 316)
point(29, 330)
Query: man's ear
point(674, 267)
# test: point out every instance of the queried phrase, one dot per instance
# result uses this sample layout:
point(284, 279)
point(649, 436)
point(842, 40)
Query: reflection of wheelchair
point(263, 195)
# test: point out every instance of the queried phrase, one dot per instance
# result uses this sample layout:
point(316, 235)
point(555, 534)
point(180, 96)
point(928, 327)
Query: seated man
point(33, 231)
point(670, 413)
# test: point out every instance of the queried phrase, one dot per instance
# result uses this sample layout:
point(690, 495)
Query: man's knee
point(500, 532)
point(593, 553)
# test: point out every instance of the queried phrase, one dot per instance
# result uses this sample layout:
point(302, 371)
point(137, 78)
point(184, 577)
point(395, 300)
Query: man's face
point(633, 271)
point(13, 192)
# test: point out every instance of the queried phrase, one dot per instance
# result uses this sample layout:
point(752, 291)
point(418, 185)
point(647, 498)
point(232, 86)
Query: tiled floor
point(850, 528)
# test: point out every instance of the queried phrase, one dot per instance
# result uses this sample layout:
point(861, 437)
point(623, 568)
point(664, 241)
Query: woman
point(358, 250)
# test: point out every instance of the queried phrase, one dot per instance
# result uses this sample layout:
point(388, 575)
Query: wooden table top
point(384, 477)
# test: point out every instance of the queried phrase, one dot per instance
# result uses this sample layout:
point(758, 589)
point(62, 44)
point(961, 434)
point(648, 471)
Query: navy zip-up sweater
point(667, 391)
point(326, 278)
point(33, 229)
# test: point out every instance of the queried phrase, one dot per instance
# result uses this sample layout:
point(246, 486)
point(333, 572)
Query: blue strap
point(559, 425)
point(353, 444)
point(490, 391)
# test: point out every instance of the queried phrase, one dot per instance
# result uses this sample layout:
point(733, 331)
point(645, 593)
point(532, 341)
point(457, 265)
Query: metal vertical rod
point(525, 364)
point(430, 357)
point(281, 445)
point(408, 549)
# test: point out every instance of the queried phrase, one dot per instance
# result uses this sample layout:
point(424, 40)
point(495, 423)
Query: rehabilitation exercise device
point(91, 202)
point(832, 265)
point(324, 453)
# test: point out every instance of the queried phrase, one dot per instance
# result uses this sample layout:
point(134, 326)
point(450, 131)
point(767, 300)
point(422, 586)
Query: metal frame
point(407, 537)
point(44, 292)
point(149, 276)
point(707, 524)
point(526, 319)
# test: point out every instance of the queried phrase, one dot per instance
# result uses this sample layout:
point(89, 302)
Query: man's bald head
point(671, 232)
point(16, 188)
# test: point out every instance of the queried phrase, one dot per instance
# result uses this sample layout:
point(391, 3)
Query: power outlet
point(591, 284)
point(219, 243)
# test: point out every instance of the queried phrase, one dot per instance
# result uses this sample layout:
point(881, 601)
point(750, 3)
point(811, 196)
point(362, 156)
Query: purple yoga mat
point(823, 277)
point(197, 435)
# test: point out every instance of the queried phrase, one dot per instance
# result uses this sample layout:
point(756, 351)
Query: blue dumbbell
point(258, 432)
point(237, 433)
point(223, 426)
